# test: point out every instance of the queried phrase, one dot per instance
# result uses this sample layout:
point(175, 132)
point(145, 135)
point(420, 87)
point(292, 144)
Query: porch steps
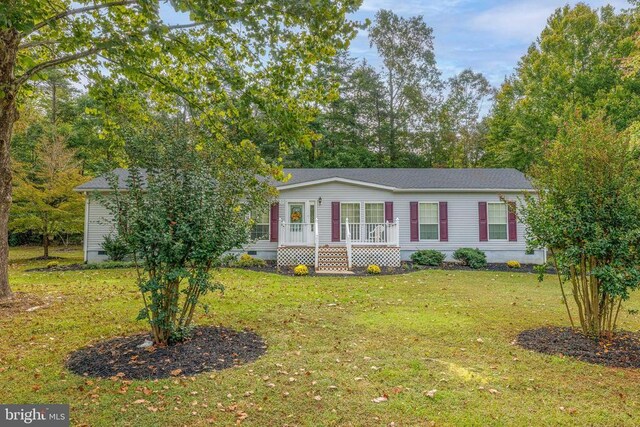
point(332, 259)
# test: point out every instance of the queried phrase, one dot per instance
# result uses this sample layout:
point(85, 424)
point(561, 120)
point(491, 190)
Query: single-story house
point(336, 219)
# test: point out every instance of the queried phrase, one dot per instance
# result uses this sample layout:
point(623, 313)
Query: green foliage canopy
point(574, 64)
point(587, 212)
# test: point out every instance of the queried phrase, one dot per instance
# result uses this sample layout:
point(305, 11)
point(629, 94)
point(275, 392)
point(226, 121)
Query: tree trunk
point(45, 245)
point(9, 40)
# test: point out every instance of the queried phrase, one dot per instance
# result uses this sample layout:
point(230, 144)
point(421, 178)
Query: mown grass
point(334, 345)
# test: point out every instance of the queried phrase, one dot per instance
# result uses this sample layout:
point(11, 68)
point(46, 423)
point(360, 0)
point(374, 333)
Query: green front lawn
point(334, 345)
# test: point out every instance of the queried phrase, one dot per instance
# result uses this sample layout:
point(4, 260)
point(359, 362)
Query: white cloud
point(523, 20)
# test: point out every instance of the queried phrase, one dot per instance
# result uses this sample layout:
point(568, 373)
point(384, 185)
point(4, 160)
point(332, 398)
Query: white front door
point(298, 223)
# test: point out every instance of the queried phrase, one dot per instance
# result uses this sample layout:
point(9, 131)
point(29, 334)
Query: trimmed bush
point(228, 260)
point(301, 270)
point(428, 257)
point(513, 264)
point(474, 258)
point(52, 264)
point(373, 269)
point(115, 247)
point(247, 260)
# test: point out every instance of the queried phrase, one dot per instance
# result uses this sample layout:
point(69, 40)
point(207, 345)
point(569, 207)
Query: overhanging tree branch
point(91, 51)
point(80, 10)
point(58, 61)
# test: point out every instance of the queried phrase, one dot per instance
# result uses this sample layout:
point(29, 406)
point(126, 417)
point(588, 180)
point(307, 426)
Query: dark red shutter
point(482, 221)
point(413, 216)
point(444, 222)
point(275, 214)
point(335, 221)
point(513, 223)
point(388, 211)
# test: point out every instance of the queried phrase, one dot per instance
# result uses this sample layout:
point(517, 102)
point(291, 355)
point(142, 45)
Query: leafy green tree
point(231, 56)
point(409, 72)
point(461, 131)
point(574, 64)
point(401, 115)
point(181, 213)
point(44, 201)
point(587, 212)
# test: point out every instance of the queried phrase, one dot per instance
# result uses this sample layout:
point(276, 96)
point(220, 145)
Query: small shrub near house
point(513, 264)
point(53, 264)
point(301, 270)
point(373, 269)
point(247, 261)
point(428, 257)
point(474, 258)
point(228, 260)
point(115, 247)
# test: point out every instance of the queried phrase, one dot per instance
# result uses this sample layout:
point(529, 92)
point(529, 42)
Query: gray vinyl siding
point(99, 225)
point(462, 220)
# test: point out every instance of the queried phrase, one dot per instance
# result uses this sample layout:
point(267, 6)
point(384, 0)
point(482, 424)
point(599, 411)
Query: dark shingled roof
point(401, 179)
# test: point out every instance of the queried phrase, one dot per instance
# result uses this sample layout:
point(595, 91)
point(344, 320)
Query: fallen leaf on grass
point(380, 399)
point(176, 372)
point(432, 393)
point(139, 401)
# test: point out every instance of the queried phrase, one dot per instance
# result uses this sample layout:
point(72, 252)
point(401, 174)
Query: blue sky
point(488, 36)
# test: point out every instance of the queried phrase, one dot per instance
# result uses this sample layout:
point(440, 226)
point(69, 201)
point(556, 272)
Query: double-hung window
point(350, 211)
point(260, 227)
point(428, 220)
point(497, 221)
point(374, 222)
point(374, 213)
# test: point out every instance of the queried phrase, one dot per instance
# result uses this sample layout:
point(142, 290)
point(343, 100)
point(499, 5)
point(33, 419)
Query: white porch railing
point(307, 234)
point(316, 236)
point(387, 233)
point(348, 242)
point(297, 234)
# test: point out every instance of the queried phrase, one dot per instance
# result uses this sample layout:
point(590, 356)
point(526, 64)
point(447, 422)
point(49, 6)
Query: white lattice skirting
point(384, 256)
point(362, 256)
point(296, 255)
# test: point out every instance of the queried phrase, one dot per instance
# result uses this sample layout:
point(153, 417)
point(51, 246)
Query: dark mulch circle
point(208, 349)
point(623, 351)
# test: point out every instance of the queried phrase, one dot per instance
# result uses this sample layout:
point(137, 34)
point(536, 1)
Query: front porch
point(350, 245)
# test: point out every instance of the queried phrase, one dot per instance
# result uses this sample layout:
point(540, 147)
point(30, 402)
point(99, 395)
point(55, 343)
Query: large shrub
point(428, 257)
point(587, 212)
point(473, 258)
point(178, 217)
point(115, 247)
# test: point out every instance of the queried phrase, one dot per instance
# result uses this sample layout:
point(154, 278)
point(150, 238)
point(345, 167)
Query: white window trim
point(437, 239)
point(506, 239)
point(361, 213)
point(268, 223)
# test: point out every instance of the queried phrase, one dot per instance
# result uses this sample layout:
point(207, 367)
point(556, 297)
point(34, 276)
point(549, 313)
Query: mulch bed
point(208, 349)
point(408, 267)
point(623, 351)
